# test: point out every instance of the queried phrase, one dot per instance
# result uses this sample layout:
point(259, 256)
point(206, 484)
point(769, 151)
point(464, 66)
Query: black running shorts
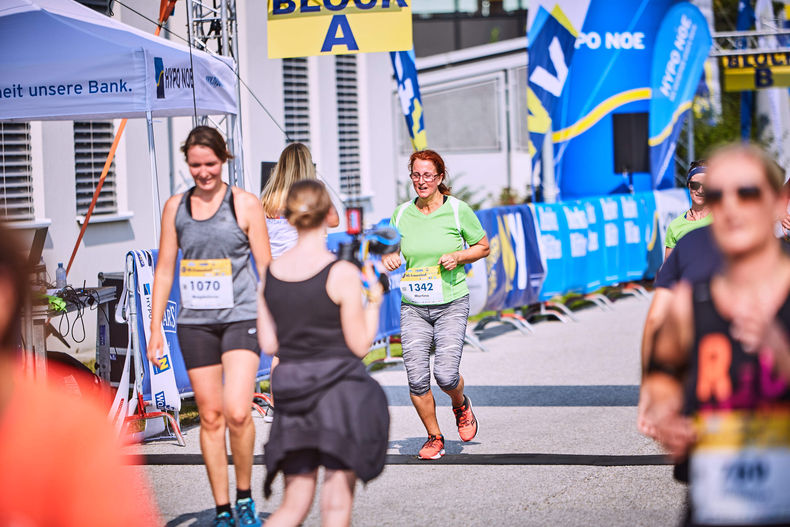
point(203, 345)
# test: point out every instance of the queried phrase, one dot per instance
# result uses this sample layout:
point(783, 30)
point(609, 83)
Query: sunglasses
point(749, 193)
point(696, 185)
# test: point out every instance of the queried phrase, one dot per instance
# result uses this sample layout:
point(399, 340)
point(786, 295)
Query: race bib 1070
point(206, 284)
point(422, 285)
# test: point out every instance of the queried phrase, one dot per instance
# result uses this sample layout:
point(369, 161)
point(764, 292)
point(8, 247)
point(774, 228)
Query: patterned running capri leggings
point(443, 324)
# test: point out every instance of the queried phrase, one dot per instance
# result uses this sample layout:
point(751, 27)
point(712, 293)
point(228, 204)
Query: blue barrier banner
point(515, 271)
point(596, 263)
point(634, 250)
point(554, 246)
point(648, 215)
point(578, 240)
point(610, 74)
point(613, 242)
point(409, 96)
point(681, 47)
point(551, 34)
point(170, 325)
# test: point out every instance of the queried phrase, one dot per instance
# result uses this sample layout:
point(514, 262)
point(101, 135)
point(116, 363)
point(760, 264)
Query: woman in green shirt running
point(435, 228)
point(699, 213)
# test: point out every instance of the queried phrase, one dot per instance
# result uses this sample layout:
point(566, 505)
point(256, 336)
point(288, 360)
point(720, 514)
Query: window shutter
point(16, 173)
point(297, 103)
point(92, 143)
point(348, 123)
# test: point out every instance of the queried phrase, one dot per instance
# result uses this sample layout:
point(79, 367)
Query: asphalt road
point(557, 443)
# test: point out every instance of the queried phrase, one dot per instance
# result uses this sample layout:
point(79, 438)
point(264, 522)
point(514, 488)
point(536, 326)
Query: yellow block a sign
point(300, 28)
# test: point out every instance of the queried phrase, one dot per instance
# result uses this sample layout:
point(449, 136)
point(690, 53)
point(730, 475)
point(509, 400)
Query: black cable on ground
point(450, 459)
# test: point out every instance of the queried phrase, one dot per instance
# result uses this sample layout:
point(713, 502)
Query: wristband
point(654, 366)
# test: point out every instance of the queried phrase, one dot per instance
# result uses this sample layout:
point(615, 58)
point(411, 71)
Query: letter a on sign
point(316, 27)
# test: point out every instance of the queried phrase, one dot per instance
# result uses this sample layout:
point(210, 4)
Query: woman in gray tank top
point(217, 228)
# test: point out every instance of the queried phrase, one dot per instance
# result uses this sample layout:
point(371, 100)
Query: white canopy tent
point(63, 61)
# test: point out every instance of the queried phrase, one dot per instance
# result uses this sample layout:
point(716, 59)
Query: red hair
point(438, 164)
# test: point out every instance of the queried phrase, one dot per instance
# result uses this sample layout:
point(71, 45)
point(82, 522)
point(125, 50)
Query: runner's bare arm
point(662, 387)
point(267, 331)
point(359, 323)
point(656, 313)
point(163, 275)
point(476, 251)
point(252, 220)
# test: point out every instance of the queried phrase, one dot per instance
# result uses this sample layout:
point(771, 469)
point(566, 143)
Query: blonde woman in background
point(295, 164)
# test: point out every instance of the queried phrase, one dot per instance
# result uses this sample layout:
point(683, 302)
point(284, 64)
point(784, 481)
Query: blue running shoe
point(245, 512)
point(223, 519)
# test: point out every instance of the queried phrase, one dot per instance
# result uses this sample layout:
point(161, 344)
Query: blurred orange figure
point(60, 459)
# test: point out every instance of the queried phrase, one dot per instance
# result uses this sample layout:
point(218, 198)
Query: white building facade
point(344, 108)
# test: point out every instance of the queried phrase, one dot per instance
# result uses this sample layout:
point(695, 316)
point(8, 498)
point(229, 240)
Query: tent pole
point(155, 179)
point(233, 177)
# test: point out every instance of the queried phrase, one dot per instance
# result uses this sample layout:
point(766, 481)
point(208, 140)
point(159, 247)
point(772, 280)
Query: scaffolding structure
point(766, 40)
point(213, 28)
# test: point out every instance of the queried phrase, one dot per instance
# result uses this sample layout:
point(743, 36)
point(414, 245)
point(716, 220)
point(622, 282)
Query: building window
point(92, 142)
point(522, 132)
point(16, 173)
point(348, 123)
point(475, 129)
point(297, 105)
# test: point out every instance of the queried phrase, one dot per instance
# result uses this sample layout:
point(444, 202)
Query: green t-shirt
point(425, 238)
point(680, 226)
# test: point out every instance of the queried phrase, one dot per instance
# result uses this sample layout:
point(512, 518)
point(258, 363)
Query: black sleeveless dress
point(741, 409)
point(325, 398)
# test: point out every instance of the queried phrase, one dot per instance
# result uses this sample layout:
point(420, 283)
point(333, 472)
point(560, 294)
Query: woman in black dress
point(330, 412)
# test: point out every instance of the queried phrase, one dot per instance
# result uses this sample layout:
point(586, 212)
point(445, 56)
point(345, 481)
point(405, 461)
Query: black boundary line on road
point(451, 459)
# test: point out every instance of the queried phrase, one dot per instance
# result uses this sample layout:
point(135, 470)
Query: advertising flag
point(403, 64)
point(610, 75)
point(744, 22)
point(301, 28)
point(552, 29)
point(681, 47)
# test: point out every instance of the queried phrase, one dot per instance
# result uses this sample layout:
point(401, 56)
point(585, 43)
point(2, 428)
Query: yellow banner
point(206, 268)
point(756, 71)
point(732, 429)
point(301, 28)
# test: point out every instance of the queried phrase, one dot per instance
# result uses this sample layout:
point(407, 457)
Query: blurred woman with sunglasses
point(718, 378)
point(699, 213)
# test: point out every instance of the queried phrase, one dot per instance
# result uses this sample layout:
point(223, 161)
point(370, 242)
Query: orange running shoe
point(433, 448)
point(465, 420)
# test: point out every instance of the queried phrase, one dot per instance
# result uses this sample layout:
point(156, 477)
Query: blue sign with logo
point(577, 259)
point(514, 268)
point(169, 324)
point(555, 248)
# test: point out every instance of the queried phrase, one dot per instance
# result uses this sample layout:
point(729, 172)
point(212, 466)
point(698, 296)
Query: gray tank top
point(211, 242)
